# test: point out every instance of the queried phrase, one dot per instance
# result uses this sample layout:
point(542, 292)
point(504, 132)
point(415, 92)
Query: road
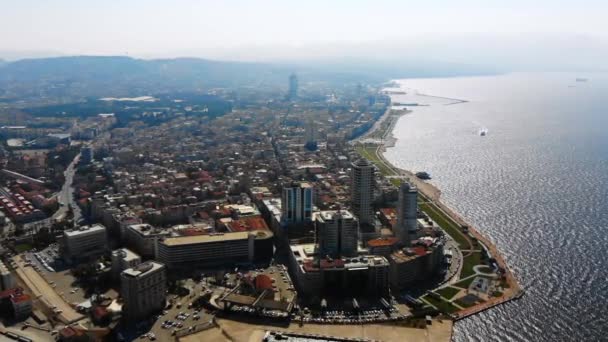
point(65, 197)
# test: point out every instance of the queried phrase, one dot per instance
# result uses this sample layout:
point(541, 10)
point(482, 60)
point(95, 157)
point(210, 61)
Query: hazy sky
point(270, 29)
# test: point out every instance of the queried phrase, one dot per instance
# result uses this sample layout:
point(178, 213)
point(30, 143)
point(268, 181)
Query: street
point(65, 196)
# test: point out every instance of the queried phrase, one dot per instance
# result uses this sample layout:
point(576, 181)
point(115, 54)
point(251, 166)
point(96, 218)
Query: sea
point(524, 158)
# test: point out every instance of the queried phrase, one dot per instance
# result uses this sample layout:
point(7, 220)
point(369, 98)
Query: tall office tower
point(293, 87)
point(362, 190)
point(143, 289)
point(296, 203)
point(337, 233)
point(311, 141)
point(407, 213)
point(86, 155)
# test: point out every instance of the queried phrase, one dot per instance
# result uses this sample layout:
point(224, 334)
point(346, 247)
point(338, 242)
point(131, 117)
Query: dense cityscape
point(258, 216)
point(303, 171)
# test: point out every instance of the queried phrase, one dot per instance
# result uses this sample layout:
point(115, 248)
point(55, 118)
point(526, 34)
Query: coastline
point(430, 194)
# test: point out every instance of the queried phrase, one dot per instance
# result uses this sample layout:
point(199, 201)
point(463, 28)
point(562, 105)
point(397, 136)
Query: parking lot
point(44, 291)
point(180, 317)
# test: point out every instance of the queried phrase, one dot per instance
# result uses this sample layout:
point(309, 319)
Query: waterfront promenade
point(447, 218)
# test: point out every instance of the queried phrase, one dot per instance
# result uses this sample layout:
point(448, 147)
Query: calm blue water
point(536, 184)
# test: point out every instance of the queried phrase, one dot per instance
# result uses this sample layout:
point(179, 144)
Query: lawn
point(23, 247)
point(447, 224)
point(496, 294)
point(464, 304)
point(485, 269)
point(465, 283)
point(441, 305)
point(469, 262)
point(448, 292)
point(369, 152)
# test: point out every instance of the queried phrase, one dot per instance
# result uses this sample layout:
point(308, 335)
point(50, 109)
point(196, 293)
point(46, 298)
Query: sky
point(286, 29)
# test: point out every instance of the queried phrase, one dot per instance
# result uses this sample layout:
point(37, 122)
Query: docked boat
point(423, 175)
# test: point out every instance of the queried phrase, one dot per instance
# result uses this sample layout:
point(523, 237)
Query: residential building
point(7, 278)
point(86, 155)
point(297, 203)
point(143, 289)
point(362, 188)
point(22, 306)
point(215, 248)
point(15, 302)
point(316, 275)
point(309, 136)
point(407, 211)
point(293, 87)
point(122, 259)
point(84, 242)
point(337, 233)
point(141, 238)
point(419, 262)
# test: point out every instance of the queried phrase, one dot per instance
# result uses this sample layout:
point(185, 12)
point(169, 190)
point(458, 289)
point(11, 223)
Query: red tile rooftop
point(192, 232)
point(19, 298)
point(248, 224)
point(69, 332)
point(335, 263)
point(11, 292)
point(389, 212)
point(382, 242)
point(420, 251)
point(203, 214)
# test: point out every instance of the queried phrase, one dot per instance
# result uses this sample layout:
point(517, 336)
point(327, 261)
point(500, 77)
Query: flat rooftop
point(85, 230)
point(215, 237)
point(127, 254)
point(307, 258)
point(142, 269)
point(148, 230)
point(332, 214)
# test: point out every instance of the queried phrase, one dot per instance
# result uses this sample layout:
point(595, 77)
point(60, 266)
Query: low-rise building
point(142, 238)
point(215, 248)
point(7, 278)
point(419, 262)
point(84, 242)
point(16, 303)
point(22, 306)
point(315, 275)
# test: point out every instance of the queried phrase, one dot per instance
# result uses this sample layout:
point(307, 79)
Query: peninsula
point(483, 279)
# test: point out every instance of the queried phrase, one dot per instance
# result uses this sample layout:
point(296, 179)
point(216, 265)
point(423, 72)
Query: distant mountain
point(85, 76)
point(65, 79)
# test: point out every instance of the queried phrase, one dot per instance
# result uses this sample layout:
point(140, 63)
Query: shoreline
point(432, 194)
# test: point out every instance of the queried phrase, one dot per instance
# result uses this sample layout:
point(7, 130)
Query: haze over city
point(303, 171)
point(513, 35)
